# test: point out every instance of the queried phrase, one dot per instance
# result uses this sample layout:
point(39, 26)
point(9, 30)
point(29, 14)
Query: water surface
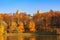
point(41, 37)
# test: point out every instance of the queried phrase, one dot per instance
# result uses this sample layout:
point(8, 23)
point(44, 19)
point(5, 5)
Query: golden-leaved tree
point(13, 26)
point(3, 24)
point(21, 27)
point(32, 26)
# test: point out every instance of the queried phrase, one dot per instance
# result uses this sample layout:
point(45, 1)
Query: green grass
point(19, 34)
point(26, 34)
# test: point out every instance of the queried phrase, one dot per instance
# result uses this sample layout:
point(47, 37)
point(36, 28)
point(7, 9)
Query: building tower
point(18, 12)
point(39, 11)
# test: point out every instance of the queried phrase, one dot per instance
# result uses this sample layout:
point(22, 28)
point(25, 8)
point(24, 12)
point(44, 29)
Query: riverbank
point(27, 34)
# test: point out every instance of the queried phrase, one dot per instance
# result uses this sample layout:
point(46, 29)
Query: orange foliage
point(21, 38)
point(7, 17)
point(1, 16)
point(16, 16)
point(32, 26)
point(33, 38)
point(45, 17)
point(21, 27)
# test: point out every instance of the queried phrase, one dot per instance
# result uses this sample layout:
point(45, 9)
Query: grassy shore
point(26, 34)
point(19, 34)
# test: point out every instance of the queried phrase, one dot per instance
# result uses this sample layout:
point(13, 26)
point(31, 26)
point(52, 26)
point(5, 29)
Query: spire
point(39, 11)
point(18, 12)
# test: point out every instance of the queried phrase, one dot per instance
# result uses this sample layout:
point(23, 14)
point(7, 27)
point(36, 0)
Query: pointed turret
point(39, 11)
point(18, 12)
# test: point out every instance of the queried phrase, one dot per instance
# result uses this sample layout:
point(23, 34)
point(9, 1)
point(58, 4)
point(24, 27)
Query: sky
point(28, 6)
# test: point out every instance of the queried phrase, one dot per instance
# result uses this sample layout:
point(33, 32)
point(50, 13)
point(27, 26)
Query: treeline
point(22, 22)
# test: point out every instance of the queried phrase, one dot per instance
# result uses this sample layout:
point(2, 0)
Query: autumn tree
point(3, 24)
point(16, 17)
point(21, 27)
point(57, 14)
point(36, 17)
point(32, 26)
point(13, 27)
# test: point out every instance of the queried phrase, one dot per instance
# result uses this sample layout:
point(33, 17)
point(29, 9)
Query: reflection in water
point(12, 37)
point(32, 38)
point(2, 37)
point(21, 38)
point(47, 37)
point(41, 37)
point(58, 37)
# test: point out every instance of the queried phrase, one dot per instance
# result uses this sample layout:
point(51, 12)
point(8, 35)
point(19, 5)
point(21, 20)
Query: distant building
point(39, 11)
point(18, 12)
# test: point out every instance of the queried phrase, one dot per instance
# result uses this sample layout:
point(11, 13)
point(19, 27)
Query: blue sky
point(29, 6)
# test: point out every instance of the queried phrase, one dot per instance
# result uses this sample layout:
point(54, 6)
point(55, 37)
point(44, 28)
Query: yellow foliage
point(32, 26)
point(33, 38)
point(2, 27)
point(21, 27)
point(2, 37)
point(13, 25)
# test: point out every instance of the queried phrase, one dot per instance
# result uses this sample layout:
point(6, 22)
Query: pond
point(40, 37)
